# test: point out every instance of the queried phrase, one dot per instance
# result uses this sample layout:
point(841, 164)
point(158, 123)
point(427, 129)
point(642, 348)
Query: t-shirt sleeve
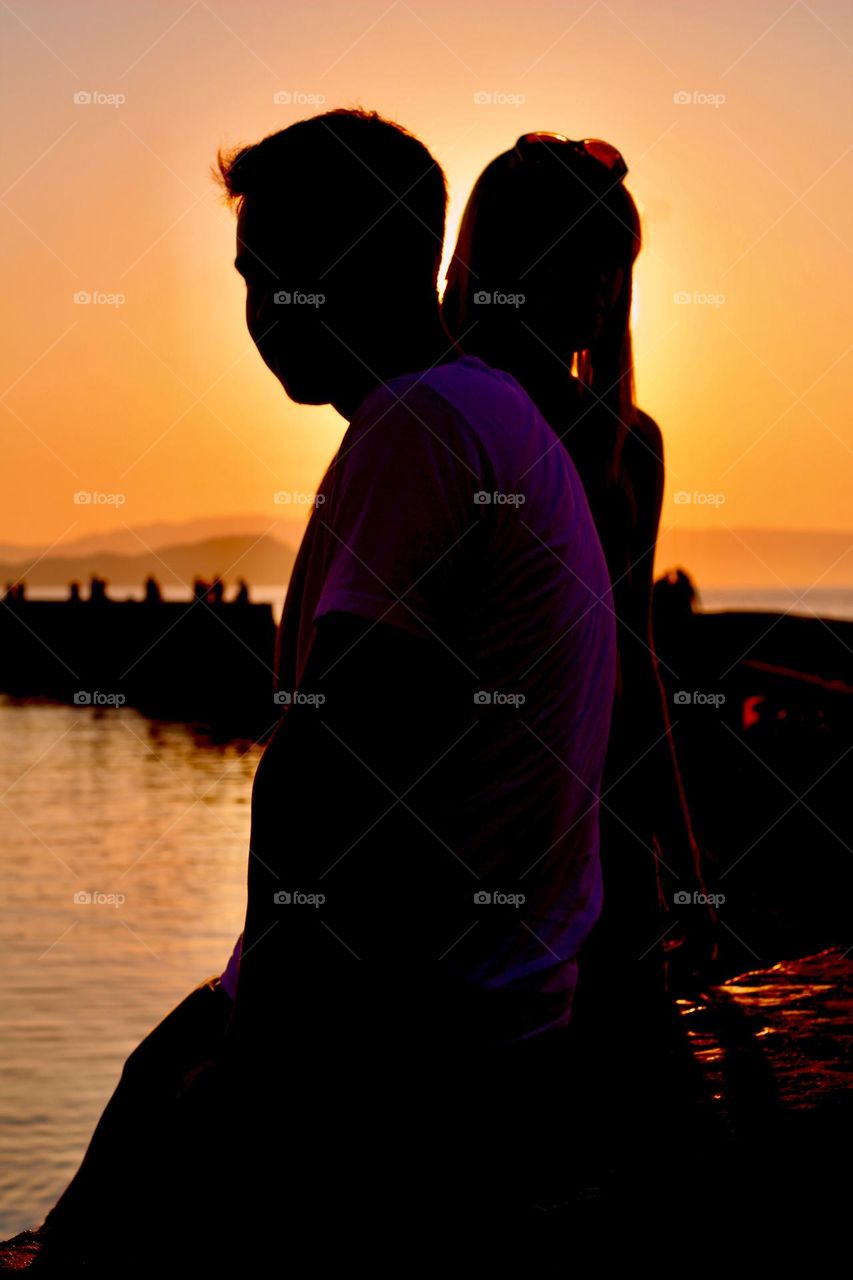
point(400, 512)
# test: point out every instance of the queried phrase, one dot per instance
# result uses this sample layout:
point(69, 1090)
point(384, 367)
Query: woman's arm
point(661, 775)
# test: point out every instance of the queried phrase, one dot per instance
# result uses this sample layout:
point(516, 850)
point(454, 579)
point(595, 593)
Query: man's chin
point(304, 392)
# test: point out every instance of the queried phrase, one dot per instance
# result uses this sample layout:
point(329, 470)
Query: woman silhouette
point(540, 286)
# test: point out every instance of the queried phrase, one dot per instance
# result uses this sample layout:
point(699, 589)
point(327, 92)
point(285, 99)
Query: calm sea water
point(103, 803)
point(153, 824)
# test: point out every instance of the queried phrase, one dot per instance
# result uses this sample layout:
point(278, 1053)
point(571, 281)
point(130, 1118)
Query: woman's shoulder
point(646, 436)
point(642, 454)
point(643, 472)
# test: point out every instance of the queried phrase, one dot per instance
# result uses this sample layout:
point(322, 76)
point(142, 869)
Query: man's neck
point(411, 347)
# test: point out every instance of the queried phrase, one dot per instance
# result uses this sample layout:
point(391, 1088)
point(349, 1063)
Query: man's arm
point(356, 752)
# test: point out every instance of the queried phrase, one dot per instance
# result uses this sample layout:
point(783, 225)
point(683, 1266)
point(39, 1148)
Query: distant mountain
point(266, 560)
point(132, 541)
point(715, 557)
point(758, 557)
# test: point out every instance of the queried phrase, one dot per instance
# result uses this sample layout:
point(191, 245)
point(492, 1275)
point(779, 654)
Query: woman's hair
point(545, 232)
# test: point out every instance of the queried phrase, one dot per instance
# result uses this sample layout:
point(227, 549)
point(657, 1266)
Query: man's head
point(339, 235)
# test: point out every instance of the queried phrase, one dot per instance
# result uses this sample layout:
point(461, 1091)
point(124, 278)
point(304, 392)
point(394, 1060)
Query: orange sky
point(746, 198)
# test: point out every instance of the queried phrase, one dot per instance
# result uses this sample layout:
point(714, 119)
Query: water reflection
point(110, 805)
point(778, 1038)
point(124, 885)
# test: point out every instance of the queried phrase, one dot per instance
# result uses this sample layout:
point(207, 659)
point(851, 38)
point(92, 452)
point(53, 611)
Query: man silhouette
point(423, 863)
point(446, 654)
point(447, 631)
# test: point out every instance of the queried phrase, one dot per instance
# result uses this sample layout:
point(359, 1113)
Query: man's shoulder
point(462, 417)
point(406, 396)
point(407, 435)
point(478, 391)
point(464, 389)
point(419, 414)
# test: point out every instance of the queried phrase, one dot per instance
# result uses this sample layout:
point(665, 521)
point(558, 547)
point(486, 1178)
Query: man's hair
point(357, 180)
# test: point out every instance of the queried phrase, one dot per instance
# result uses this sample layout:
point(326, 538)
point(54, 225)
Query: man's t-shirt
point(452, 511)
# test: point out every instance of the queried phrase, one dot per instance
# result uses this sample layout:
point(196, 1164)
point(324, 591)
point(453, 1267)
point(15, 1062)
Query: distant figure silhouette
point(242, 593)
point(15, 592)
point(200, 589)
point(424, 849)
point(540, 285)
point(153, 595)
point(97, 590)
point(217, 591)
point(74, 593)
point(675, 597)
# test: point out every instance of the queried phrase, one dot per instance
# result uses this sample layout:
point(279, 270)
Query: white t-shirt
point(452, 510)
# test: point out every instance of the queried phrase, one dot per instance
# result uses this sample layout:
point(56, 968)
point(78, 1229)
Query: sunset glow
point(735, 123)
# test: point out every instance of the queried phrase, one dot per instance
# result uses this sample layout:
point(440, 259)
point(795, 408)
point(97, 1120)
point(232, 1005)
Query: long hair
point(521, 224)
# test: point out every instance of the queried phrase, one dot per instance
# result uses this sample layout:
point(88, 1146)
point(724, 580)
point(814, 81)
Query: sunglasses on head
point(532, 146)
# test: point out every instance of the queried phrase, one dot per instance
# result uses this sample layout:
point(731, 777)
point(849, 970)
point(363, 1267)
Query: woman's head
point(543, 264)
